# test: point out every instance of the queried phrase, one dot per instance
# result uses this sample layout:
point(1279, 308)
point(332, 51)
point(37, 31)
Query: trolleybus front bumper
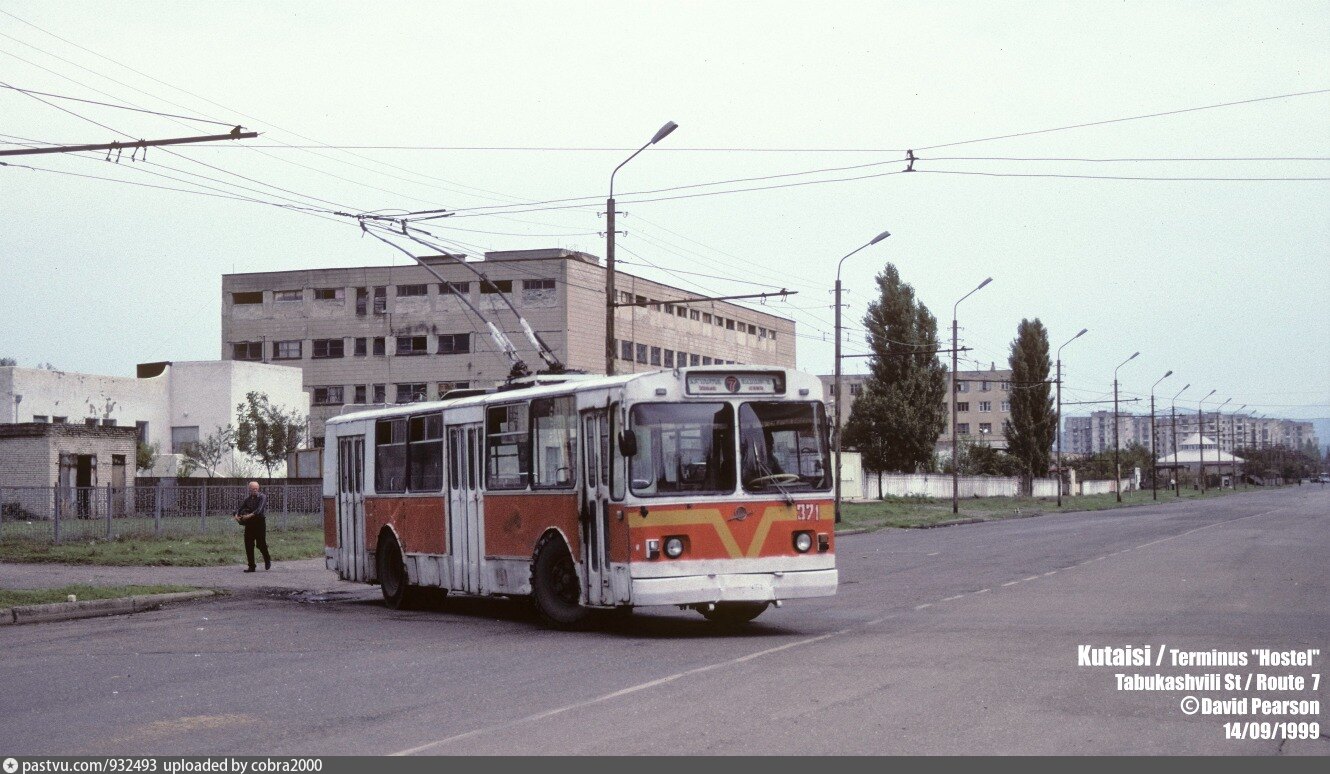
point(734, 587)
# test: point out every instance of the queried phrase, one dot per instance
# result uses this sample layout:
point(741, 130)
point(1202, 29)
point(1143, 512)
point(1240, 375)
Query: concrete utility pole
point(1154, 452)
point(1059, 421)
point(1177, 483)
point(610, 354)
point(1219, 446)
point(837, 387)
point(1117, 446)
point(1200, 435)
point(955, 456)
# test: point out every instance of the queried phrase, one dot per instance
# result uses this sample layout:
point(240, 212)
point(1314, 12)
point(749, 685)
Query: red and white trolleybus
point(707, 488)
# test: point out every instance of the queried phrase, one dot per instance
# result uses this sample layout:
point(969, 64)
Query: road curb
point(65, 611)
point(948, 523)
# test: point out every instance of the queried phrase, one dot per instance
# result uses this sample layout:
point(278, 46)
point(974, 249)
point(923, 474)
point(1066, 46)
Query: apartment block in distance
point(983, 405)
point(395, 334)
point(1094, 433)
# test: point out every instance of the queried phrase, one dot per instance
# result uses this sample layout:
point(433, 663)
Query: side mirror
point(627, 443)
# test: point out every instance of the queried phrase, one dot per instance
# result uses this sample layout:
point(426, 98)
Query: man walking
point(252, 515)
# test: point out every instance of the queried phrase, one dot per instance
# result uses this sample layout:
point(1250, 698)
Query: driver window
point(554, 444)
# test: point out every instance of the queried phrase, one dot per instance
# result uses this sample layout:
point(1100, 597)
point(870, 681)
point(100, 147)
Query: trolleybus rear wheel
point(398, 592)
point(733, 613)
point(555, 588)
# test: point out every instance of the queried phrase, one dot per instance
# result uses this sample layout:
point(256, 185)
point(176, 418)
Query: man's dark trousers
point(256, 534)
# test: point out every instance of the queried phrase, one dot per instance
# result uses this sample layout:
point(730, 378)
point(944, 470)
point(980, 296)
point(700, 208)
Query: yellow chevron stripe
point(771, 515)
point(696, 517)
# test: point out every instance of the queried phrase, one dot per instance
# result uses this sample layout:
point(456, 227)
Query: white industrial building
point(170, 404)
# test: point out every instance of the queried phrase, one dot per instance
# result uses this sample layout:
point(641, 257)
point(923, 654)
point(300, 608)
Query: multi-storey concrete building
point(395, 334)
point(1094, 433)
point(983, 405)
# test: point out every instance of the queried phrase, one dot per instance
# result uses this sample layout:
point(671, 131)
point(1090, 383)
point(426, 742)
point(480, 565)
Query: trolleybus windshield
point(683, 448)
point(783, 446)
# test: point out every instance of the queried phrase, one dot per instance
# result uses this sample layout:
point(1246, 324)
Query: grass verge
point(926, 511)
point(192, 551)
point(13, 597)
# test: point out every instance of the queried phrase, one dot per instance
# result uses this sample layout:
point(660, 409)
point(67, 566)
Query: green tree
point(1033, 424)
point(207, 454)
point(7, 361)
point(1279, 460)
point(980, 459)
point(1099, 466)
point(896, 421)
point(267, 432)
point(145, 456)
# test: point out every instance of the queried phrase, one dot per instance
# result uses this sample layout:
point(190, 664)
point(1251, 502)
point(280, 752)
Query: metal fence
point(60, 513)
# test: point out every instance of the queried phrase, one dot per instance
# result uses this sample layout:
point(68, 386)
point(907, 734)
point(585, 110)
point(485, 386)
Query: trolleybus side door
point(351, 552)
point(595, 507)
point(465, 504)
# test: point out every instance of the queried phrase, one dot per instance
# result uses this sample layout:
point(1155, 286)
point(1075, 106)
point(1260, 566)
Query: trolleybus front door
point(595, 507)
point(351, 549)
point(465, 505)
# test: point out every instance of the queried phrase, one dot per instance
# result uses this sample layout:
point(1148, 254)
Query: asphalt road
point(956, 640)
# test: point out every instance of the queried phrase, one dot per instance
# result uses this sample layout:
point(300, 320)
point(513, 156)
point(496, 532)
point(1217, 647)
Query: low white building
point(1198, 450)
point(169, 404)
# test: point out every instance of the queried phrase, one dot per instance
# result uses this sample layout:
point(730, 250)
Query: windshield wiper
point(767, 473)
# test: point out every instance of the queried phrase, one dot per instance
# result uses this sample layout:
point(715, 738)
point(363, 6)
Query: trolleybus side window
point(508, 461)
point(589, 457)
point(783, 446)
point(554, 442)
point(390, 455)
point(615, 473)
point(455, 459)
point(683, 447)
point(425, 453)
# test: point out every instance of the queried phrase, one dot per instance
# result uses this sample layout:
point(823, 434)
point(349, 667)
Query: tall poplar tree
point(1033, 424)
point(896, 422)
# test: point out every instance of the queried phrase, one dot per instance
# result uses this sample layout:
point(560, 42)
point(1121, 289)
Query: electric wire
point(1121, 120)
point(118, 107)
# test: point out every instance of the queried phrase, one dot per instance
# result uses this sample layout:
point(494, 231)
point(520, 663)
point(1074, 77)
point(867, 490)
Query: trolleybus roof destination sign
point(735, 384)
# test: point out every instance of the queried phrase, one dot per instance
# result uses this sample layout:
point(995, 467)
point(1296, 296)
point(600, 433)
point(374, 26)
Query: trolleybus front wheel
point(732, 613)
point(555, 588)
point(398, 592)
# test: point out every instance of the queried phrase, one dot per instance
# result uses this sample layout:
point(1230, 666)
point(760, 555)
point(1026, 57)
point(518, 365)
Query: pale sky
point(1224, 282)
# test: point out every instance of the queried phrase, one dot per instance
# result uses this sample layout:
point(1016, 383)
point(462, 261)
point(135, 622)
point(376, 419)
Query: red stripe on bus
point(420, 523)
point(514, 523)
point(330, 522)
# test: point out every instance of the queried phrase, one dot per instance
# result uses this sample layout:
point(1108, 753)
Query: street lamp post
point(837, 387)
point(609, 250)
point(1219, 445)
point(1233, 444)
point(1154, 450)
point(1200, 435)
point(1117, 446)
point(1059, 422)
point(1177, 485)
point(955, 457)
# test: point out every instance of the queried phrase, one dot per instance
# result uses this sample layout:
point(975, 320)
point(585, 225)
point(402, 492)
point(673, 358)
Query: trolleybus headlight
point(803, 541)
point(674, 547)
